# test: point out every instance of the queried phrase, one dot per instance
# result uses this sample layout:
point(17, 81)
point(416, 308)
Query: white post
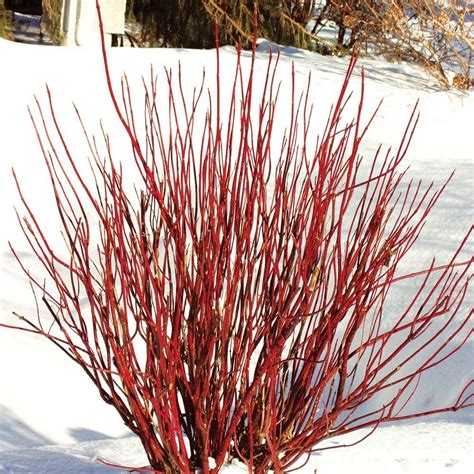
point(80, 22)
point(68, 21)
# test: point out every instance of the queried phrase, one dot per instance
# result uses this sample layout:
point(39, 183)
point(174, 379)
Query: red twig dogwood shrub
point(235, 296)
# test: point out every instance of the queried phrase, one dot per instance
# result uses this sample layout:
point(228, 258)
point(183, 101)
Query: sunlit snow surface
point(51, 418)
point(424, 447)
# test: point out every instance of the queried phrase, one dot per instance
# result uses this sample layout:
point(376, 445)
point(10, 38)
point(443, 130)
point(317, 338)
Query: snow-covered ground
point(421, 448)
point(51, 418)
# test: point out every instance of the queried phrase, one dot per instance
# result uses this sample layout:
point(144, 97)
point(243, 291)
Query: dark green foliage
point(190, 23)
point(173, 23)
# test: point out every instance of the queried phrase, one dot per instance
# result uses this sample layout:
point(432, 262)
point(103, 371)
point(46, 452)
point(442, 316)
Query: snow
point(425, 447)
point(51, 418)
